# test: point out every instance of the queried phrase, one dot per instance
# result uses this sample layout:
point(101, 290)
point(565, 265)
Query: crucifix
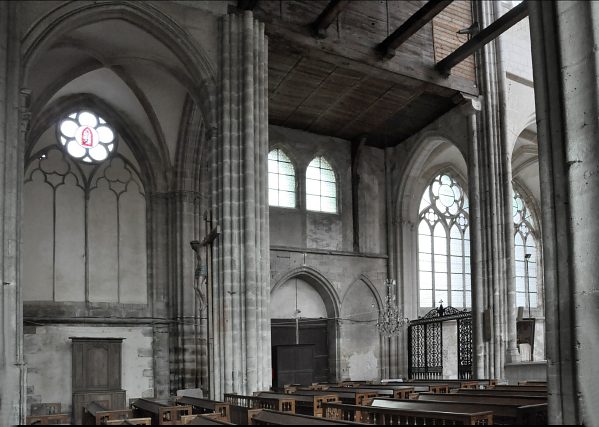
point(203, 277)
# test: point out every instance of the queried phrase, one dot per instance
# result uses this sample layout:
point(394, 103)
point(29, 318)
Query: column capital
point(470, 104)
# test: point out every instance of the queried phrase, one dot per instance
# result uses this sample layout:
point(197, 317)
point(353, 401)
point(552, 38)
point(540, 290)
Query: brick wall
point(456, 16)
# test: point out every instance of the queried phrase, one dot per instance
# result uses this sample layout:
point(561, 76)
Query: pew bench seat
point(408, 412)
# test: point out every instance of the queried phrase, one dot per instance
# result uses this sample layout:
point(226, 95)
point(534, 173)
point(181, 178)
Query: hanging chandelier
point(391, 320)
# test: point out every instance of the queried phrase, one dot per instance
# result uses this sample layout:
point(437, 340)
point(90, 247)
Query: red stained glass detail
point(87, 137)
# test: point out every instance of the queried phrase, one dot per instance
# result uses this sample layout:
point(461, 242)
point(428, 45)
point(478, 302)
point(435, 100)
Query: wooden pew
point(94, 413)
point(407, 412)
point(162, 412)
point(494, 392)
point(304, 404)
point(259, 402)
point(268, 417)
point(418, 387)
point(529, 382)
point(204, 419)
point(393, 392)
point(346, 395)
point(507, 410)
point(130, 422)
point(205, 406)
point(475, 397)
point(47, 414)
point(520, 388)
point(482, 383)
point(241, 414)
point(52, 419)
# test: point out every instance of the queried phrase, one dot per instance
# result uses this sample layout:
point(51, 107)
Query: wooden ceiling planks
point(314, 86)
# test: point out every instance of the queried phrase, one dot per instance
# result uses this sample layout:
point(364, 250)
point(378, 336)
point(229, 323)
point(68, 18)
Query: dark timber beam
point(356, 152)
point(246, 4)
point(493, 31)
point(415, 22)
point(326, 18)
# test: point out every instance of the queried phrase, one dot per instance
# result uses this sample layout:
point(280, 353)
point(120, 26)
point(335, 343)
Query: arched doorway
point(303, 315)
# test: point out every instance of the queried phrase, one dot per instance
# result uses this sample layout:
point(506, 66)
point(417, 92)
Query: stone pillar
point(495, 249)
point(240, 325)
point(159, 294)
point(13, 124)
point(565, 36)
point(479, 360)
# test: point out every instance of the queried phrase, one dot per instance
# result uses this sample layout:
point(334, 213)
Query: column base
point(513, 356)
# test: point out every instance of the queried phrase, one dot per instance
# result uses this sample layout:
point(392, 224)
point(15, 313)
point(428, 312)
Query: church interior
point(299, 212)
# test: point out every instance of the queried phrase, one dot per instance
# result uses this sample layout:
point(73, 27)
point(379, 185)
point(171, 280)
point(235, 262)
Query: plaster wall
point(450, 349)
point(296, 298)
point(360, 343)
point(49, 361)
point(518, 56)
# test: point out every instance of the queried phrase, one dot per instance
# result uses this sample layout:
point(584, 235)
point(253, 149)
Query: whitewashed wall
point(64, 234)
point(49, 361)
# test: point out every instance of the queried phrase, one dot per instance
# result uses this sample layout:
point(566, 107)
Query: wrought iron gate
point(425, 344)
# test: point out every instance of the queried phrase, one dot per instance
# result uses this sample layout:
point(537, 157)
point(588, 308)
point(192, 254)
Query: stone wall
point(319, 248)
point(49, 361)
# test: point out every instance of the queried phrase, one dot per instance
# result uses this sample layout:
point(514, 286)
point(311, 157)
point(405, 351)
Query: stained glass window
point(525, 254)
point(444, 245)
point(281, 180)
point(321, 186)
point(86, 136)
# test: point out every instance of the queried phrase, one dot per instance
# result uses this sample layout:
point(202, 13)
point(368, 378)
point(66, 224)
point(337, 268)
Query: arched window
point(281, 180)
point(321, 186)
point(525, 254)
point(444, 245)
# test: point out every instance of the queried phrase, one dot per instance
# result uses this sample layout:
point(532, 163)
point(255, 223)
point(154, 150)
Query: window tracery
point(86, 136)
point(444, 245)
point(525, 253)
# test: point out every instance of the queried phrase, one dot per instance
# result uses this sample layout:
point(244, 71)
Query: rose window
point(86, 136)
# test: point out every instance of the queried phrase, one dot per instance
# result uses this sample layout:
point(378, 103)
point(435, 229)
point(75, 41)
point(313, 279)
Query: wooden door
point(311, 332)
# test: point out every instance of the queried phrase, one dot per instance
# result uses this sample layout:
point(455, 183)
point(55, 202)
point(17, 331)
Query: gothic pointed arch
point(364, 280)
point(193, 60)
point(320, 283)
point(153, 172)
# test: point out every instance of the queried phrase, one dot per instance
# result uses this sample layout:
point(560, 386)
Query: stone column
point(495, 249)
point(241, 287)
point(479, 365)
point(565, 36)
point(13, 124)
point(159, 292)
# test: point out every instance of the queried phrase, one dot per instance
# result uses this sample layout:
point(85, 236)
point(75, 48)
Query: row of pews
point(477, 402)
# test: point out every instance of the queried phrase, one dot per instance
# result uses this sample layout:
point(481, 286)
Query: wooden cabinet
point(96, 374)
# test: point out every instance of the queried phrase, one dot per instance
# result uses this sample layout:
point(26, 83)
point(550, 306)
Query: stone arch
point(332, 303)
point(364, 280)
point(408, 193)
point(319, 282)
point(424, 148)
point(147, 17)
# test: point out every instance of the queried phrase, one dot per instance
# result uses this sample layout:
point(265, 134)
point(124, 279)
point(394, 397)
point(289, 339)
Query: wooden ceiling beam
point(326, 18)
point(494, 30)
point(415, 22)
point(246, 4)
